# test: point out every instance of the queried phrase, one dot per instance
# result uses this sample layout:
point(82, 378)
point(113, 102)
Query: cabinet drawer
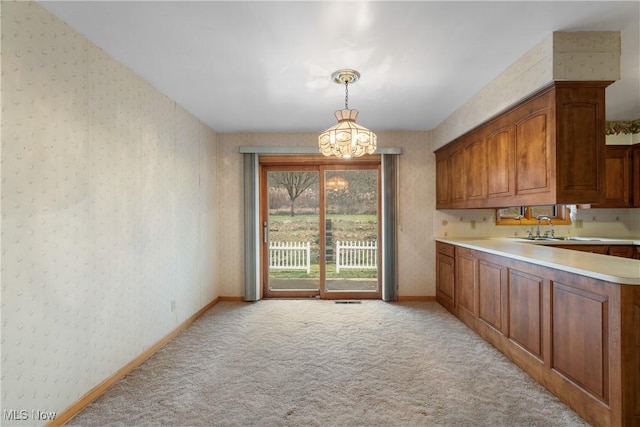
point(445, 249)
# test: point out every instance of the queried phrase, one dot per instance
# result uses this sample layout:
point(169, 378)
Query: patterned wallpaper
point(560, 56)
point(586, 55)
point(416, 200)
point(108, 213)
point(622, 223)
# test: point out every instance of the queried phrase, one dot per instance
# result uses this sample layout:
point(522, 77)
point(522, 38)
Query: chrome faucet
point(544, 218)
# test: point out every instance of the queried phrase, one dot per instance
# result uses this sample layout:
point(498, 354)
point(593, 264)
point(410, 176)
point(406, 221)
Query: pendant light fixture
point(336, 183)
point(347, 139)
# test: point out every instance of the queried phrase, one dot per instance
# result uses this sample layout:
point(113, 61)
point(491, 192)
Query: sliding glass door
point(291, 232)
point(351, 230)
point(320, 229)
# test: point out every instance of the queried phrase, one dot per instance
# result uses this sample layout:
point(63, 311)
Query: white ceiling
point(265, 66)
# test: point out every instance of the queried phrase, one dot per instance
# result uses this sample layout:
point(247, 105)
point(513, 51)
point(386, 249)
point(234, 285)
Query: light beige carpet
point(318, 363)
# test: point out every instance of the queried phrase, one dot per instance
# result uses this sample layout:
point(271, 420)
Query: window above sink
point(527, 215)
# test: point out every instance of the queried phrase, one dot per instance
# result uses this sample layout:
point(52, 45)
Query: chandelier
point(336, 183)
point(347, 139)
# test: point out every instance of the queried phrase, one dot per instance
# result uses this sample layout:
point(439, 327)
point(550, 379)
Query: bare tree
point(295, 183)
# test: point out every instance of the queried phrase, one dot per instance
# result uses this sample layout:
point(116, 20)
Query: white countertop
point(614, 269)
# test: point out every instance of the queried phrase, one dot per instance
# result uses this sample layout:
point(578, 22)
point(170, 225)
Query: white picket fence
point(290, 256)
point(356, 255)
point(297, 255)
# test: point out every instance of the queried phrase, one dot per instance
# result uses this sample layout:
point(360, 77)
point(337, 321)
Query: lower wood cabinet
point(624, 251)
point(596, 249)
point(491, 296)
point(445, 275)
point(578, 336)
point(525, 314)
point(466, 283)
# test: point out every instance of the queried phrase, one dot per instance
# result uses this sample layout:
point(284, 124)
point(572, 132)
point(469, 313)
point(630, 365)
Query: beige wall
point(581, 55)
point(623, 223)
point(416, 206)
point(108, 213)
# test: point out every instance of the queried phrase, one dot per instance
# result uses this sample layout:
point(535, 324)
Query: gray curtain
point(251, 228)
point(389, 227)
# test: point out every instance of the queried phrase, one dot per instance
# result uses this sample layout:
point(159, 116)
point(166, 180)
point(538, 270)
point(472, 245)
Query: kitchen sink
point(577, 239)
point(559, 239)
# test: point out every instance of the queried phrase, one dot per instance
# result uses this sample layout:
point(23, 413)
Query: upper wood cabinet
point(500, 157)
point(475, 180)
point(443, 186)
point(622, 184)
point(635, 174)
point(456, 162)
point(548, 149)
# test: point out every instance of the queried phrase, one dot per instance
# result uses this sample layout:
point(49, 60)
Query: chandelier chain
point(346, 94)
point(346, 139)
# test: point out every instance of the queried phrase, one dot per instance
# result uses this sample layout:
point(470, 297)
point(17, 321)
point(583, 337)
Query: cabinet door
point(491, 294)
point(445, 281)
point(617, 191)
point(533, 153)
point(635, 173)
point(580, 337)
point(442, 181)
point(500, 158)
point(580, 143)
point(525, 311)
point(466, 283)
point(457, 176)
point(476, 170)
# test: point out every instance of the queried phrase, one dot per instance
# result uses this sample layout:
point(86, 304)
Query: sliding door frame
point(265, 168)
point(389, 218)
point(351, 166)
point(319, 164)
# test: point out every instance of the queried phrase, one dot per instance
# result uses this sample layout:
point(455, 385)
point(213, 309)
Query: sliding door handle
point(265, 232)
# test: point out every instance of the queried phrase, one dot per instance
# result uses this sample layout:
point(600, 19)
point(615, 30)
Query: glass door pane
point(292, 233)
point(351, 230)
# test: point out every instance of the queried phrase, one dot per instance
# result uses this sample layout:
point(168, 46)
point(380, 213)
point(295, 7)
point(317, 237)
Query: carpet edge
point(72, 410)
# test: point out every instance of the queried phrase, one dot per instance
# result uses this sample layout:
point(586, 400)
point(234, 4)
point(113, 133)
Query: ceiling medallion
point(347, 138)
